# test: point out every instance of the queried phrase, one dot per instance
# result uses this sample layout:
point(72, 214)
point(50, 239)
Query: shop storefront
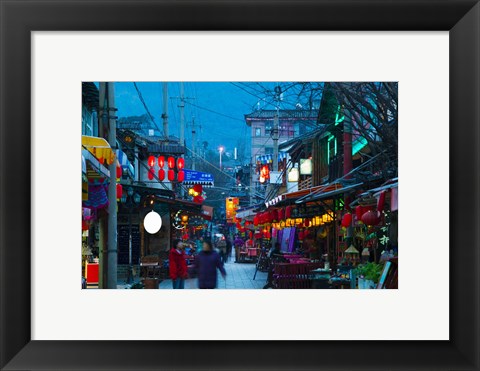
point(96, 155)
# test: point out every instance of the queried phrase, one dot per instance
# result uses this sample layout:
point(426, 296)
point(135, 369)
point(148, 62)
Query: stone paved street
point(239, 276)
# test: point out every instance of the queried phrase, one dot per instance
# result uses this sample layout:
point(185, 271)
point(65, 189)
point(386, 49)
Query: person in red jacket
point(178, 265)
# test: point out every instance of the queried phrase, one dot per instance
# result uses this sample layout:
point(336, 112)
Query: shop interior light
point(152, 222)
point(293, 175)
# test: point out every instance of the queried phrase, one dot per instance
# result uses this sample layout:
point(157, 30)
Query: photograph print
point(239, 185)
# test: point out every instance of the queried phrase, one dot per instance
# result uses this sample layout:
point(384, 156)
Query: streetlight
point(221, 149)
point(131, 201)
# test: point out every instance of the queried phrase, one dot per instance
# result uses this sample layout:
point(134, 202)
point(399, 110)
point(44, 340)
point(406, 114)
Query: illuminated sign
point(231, 206)
point(306, 166)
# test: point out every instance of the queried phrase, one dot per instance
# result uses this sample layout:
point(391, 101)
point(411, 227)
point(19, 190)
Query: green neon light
point(328, 151)
point(338, 119)
point(335, 146)
point(358, 145)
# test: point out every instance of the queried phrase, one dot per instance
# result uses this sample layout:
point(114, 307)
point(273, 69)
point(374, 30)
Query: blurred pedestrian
point(229, 249)
point(206, 265)
point(178, 265)
point(222, 248)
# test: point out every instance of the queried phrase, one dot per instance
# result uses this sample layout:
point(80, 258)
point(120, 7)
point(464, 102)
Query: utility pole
point(182, 114)
point(102, 247)
point(193, 143)
point(278, 92)
point(112, 191)
point(165, 110)
point(182, 99)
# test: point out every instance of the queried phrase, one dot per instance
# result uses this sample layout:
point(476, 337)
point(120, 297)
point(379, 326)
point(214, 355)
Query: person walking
point(222, 248)
point(206, 265)
point(178, 265)
point(229, 249)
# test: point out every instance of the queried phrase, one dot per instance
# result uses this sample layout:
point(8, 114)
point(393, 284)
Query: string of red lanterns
point(175, 167)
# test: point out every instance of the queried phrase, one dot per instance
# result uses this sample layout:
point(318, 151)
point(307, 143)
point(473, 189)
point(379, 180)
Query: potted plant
point(368, 275)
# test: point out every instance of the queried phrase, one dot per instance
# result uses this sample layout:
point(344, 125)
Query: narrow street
point(239, 276)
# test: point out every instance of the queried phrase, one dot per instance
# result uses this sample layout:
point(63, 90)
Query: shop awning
point(100, 148)
point(304, 193)
point(323, 195)
point(375, 191)
point(93, 167)
point(127, 167)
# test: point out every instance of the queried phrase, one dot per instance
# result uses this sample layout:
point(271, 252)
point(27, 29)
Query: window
point(269, 150)
point(258, 132)
point(87, 122)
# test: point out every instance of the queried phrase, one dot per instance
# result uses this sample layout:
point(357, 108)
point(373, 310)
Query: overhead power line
point(140, 96)
point(215, 112)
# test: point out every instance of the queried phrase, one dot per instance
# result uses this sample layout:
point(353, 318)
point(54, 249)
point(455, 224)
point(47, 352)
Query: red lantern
point(119, 191)
point(255, 220)
point(371, 217)
point(250, 235)
point(171, 162)
point(347, 220)
point(161, 161)
point(161, 175)
point(181, 176)
point(119, 171)
point(151, 161)
point(180, 163)
point(307, 223)
point(359, 211)
point(288, 212)
point(275, 215)
point(281, 214)
point(381, 202)
point(198, 188)
point(198, 199)
point(151, 173)
point(171, 175)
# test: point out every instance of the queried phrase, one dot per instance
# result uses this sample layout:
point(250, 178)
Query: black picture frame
point(19, 18)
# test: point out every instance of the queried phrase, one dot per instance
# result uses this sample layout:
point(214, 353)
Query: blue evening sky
point(214, 100)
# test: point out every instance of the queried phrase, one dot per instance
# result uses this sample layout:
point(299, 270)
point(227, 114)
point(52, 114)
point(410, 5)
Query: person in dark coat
point(206, 264)
point(178, 265)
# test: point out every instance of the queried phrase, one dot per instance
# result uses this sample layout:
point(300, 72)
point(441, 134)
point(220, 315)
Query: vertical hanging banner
point(231, 206)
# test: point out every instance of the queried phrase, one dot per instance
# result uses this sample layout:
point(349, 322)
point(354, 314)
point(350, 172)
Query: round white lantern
point(152, 222)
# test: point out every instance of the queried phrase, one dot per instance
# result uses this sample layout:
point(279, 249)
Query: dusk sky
point(223, 98)
point(218, 108)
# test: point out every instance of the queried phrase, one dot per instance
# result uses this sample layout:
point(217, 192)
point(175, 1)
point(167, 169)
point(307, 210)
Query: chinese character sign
point(231, 207)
